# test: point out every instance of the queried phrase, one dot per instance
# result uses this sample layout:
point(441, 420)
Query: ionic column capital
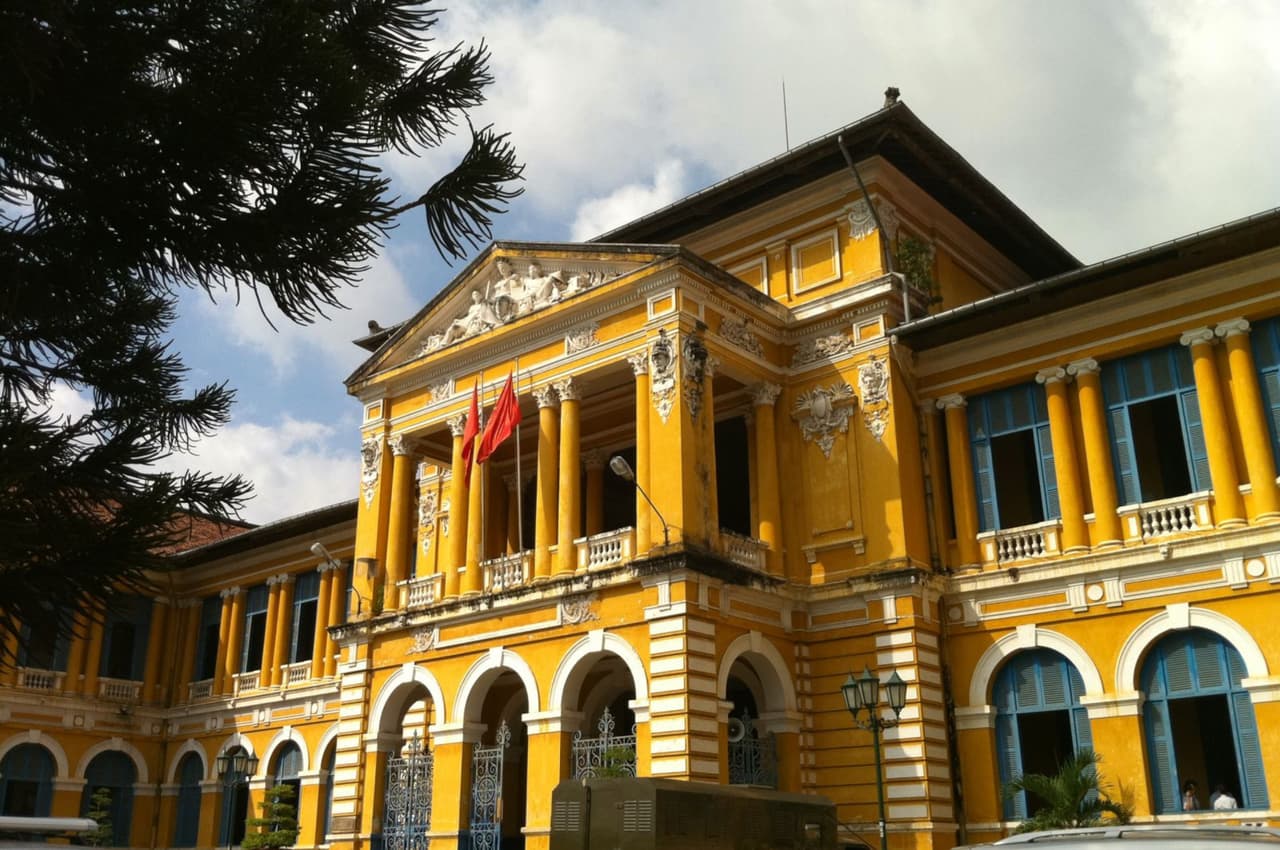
point(1084, 366)
point(458, 424)
point(545, 396)
point(595, 458)
point(1197, 336)
point(400, 445)
point(639, 363)
point(1052, 375)
point(764, 394)
point(947, 402)
point(568, 389)
point(1232, 327)
point(231, 592)
point(285, 578)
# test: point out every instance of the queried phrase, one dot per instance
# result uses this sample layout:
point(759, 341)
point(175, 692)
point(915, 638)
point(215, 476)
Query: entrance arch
point(597, 687)
point(113, 774)
point(407, 706)
point(26, 781)
point(755, 683)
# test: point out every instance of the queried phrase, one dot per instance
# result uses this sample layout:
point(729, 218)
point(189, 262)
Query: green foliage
point(232, 148)
point(617, 762)
point(915, 263)
point(100, 812)
point(278, 826)
point(1075, 797)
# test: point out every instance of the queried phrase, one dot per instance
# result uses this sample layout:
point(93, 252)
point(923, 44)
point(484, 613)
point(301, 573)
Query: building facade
point(815, 418)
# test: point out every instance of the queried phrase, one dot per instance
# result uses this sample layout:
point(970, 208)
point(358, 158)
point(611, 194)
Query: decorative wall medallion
point(581, 338)
point(888, 218)
point(822, 348)
point(426, 542)
point(873, 387)
point(738, 332)
point(577, 609)
point(862, 223)
point(693, 374)
point(423, 640)
point(662, 380)
point(440, 392)
point(370, 466)
point(427, 511)
point(823, 412)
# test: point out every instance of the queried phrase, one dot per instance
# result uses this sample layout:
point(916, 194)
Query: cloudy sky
point(1114, 124)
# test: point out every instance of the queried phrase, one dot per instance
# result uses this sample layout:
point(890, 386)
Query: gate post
point(549, 734)
point(451, 746)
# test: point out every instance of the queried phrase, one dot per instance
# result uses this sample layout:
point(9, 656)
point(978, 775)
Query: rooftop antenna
point(786, 129)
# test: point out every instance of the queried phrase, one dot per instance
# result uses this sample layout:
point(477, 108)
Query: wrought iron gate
point(606, 755)
point(753, 758)
point(406, 815)
point(486, 792)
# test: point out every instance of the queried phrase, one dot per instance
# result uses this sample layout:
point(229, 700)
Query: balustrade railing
point(743, 551)
point(506, 572)
point(295, 673)
point(119, 689)
point(40, 680)
point(247, 681)
point(1170, 516)
point(200, 690)
point(423, 590)
point(1042, 540)
point(606, 549)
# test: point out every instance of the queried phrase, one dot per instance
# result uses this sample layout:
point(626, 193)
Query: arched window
point(1039, 720)
point(112, 771)
point(190, 773)
point(26, 781)
point(1199, 722)
point(288, 771)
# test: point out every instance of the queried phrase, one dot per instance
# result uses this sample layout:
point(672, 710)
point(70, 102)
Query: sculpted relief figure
point(478, 318)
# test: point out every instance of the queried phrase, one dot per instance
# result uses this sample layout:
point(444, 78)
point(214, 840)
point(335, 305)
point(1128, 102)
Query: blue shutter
point(187, 828)
point(1197, 451)
point(1177, 668)
point(1270, 385)
point(984, 485)
point(1249, 750)
point(1048, 474)
point(1122, 452)
point(1081, 732)
point(1015, 808)
point(1160, 758)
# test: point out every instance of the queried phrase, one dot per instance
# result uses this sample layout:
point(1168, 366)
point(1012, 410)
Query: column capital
point(947, 402)
point(231, 592)
point(1052, 375)
point(190, 602)
point(400, 445)
point(545, 396)
point(1084, 366)
point(568, 389)
point(639, 363)
point(595, 458)
point(458, 424)
point(1232, 327)
point(285, 578)
point(1196, 336)
point(764, 394)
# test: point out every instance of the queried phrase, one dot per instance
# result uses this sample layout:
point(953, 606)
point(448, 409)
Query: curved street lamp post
point(233, 768)
point(863, 694)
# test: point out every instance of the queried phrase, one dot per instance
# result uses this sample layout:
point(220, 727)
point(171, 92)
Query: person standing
point(1190, 802)
point(1222, 799)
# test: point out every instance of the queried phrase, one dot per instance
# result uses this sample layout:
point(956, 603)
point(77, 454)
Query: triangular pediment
point(509, 284)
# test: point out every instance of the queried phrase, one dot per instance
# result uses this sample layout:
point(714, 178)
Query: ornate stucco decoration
point(581, 338)
point(873, 392)
point(440, 392)
point(693, 373)
point(738, 332)
point(427, 512)
point(370, 467)
point(862, 223)
point(662, 375)
point(423, 639)
point(823, 412)
point(821, 348)
point(577, 609)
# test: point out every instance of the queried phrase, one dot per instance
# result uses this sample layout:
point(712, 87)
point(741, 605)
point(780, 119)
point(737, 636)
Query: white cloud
point(599, 215)
point(66, 403)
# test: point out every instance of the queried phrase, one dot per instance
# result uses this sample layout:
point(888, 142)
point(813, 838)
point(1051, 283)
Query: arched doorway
point(1198, 721)
point(235, 803)
point(499, 765)
point(111, 774)
point(187, 824)
point(604, 744)
point(753, 750)
point(26, 781)
point(406, 763)
point(1040, 722)
point(287, 770)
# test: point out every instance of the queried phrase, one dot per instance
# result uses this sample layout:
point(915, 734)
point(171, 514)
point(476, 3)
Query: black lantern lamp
point(863, 693)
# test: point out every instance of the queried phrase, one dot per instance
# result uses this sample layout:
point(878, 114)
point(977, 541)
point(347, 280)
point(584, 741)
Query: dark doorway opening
point(733, 476)
point(1159, 448)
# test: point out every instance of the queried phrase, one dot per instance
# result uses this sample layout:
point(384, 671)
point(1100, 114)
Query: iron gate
point(486, 792)
point(406, 815)
point(753, 758)
point(606, 755)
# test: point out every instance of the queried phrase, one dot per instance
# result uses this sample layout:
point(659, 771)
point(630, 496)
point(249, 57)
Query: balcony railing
point(422, 590)
point(247, 681)
point(1026, 542)
point(292, 674)
point(40, 680)
point(606, 549)
point(1166, 517)
point(743, 551)
point(200, 690)
point(506, 572)
point(119, 689)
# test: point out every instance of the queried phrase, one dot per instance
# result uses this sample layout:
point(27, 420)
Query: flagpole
point(519, 477)
point(484, 525)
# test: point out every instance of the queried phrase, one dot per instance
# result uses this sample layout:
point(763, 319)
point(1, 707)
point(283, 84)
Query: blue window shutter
point(1048, 474)
point(1270, 384)
point(1122, 453)
point(1160, 758)
point(187, 827)
point(1249, 750)
point(984, 485)
point(1211, 672)
point(1177, 668)
point(1015, 808)
point(1197, 451)
point(1081, 732)
point(1053, 680)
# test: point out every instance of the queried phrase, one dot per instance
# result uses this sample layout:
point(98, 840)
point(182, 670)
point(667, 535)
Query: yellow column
point(322, 622)
point(284, 628)
point(93, 655)
point(594, 462)
point(473, 581)
point(1075, 535)
point(708, 417)
point(1228, 506)
point(191, 630)
point(451, 748)
point(337, 614)
point(1251, 416)
point(235, 638)
point(457, 512)
point(963, 499)
point(549, 736)
point(640, 367)
point(75, 657)
point(544, 529)
point(157, 650)
point(224, 636)
point(400, 523)
point(570, 477)
point(769, 529)
point(1097, 452)
point(513, 513)
point(266, 675)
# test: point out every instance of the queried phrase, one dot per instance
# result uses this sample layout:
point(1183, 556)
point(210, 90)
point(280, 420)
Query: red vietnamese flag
point(469, 432)
point(505, 418)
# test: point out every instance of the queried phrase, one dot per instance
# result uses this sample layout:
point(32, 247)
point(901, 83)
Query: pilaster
point(458, 497)
point(570, 495)
point(1251, 416)
point(1228, 506)
point(321, 639)
point(640, 368)
point(548, 481)
point(235, 638)
point(400, 521)
point(963, 498)
point(768, 530)
point(1075, 535)
point(266, 673)
point(1097, 452)
point(284, 628)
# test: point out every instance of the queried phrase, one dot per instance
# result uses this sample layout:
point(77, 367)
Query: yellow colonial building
point(849, 408)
